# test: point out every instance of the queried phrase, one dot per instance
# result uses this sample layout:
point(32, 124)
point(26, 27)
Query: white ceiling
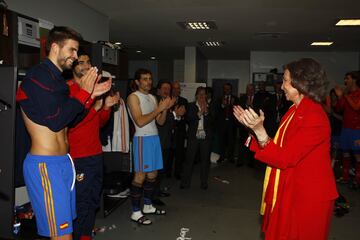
point(150, 25)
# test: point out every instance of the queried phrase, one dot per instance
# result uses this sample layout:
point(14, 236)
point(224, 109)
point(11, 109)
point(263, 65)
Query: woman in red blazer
point(299, 185)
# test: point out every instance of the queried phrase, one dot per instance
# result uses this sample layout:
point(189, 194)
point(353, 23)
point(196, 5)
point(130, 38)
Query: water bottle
point(17, 224)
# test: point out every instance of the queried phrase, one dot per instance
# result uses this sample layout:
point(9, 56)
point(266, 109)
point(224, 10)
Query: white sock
point(136, 215)
point(149, 208)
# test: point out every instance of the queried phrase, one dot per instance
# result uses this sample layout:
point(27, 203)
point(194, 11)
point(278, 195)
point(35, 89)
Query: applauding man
point(144, 111)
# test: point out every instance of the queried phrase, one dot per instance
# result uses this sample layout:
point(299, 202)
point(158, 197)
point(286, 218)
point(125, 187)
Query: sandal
point(142, 220)
point(156, 212)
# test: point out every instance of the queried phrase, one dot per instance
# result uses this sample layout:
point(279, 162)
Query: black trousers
point(245, 155)
point(161, 173)
point(89, 178)
point(193, 146)
point(177, 155)
point(227, 134)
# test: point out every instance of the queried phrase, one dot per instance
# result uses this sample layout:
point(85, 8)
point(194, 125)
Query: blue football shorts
point(147, 153)
point(50, 185)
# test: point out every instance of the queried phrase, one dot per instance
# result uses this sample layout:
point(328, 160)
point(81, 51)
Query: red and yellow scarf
point(272, 175)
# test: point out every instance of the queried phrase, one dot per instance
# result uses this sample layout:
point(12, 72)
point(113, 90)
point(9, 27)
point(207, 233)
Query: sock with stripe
point(149, 186)
point(135, 195)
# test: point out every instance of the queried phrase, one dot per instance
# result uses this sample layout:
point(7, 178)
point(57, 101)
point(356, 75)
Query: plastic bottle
point(17, 223)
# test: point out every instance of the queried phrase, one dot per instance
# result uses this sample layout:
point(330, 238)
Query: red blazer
point(304, 161)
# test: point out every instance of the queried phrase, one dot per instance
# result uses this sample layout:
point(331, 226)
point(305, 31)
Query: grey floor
point(223, 212)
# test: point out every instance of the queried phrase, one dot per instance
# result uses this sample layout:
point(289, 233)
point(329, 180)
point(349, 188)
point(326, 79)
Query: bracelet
point(265, 142)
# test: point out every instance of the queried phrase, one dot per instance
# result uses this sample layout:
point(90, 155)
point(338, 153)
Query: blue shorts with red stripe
point(147, 153)
point(50, 185)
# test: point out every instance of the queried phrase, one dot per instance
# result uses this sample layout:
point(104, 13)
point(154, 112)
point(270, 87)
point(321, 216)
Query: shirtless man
point(144, 111)
point(47, 110)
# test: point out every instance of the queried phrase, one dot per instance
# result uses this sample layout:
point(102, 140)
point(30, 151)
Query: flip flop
point(142, 221)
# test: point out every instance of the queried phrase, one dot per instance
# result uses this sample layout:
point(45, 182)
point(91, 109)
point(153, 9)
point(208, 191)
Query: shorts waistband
point(47, 159)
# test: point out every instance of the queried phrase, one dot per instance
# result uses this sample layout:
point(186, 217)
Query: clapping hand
point(101, 88)
point(112, 100)
point(88, 80)
point(203, 105)
point(166, 103)
point(180, 111)
point(249, 118)
point(339, 91)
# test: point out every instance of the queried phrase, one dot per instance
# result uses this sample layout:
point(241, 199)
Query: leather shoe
point(158, 202)
point(164, 194)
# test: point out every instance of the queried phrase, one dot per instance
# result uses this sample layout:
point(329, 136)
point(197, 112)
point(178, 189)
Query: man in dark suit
point(282, 105)
point(179, 130)
point(166, 138)
point(199, 118)
point(245, 101)
point(226, 123)
point(267, 103)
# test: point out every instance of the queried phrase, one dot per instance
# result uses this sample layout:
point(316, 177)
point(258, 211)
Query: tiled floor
point(223, 212)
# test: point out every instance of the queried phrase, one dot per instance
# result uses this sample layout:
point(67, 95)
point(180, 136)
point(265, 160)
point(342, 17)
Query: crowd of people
point(285, 128)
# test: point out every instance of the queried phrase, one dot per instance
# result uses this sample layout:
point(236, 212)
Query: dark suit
point(267, 103)
point(165, 135)
point(194, 145)
point(245, 154)
point(282, 105)
point(179, 135)
point(227, 126)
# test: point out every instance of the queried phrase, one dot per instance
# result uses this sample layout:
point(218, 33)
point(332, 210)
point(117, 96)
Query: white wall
point(92, 25)
point(190, 65)
point(230, 69)
point(336, 64)
point(179, 70)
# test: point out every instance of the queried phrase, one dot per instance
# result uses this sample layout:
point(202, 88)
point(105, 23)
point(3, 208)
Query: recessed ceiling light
point(118, 43)
point(138, 51)
point(152, 58)
point(321, 43)
point(211, 43)
point(198, 25)
point(348, 22)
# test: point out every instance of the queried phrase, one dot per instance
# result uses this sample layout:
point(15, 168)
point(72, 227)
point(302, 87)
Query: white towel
point(120, 140)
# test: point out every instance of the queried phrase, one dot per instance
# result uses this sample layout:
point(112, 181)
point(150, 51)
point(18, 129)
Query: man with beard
point(86, 150)
point(47, 110)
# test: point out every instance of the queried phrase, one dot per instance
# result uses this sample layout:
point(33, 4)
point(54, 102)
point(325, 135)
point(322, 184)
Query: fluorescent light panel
point(198, 25)
point(348, 22)
point(321, 43)
point(211, 43)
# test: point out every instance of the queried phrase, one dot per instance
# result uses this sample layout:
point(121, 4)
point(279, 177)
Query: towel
point(120, 140)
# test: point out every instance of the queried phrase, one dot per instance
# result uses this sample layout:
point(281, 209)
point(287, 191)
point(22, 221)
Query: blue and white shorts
point(50, 184)
point(147, 153)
